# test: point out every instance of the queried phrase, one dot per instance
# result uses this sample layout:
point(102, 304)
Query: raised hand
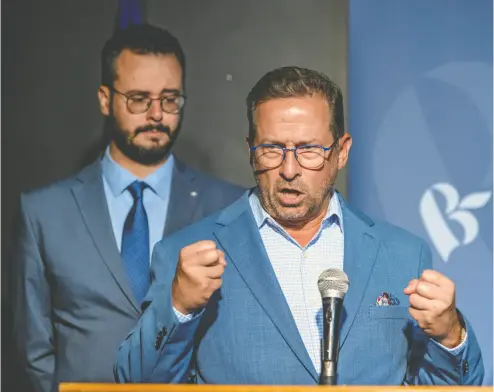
point(432, 305)
point(198, 275)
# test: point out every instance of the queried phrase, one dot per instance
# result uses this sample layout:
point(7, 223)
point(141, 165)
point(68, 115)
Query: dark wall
point(50, 77)
point(50, 116)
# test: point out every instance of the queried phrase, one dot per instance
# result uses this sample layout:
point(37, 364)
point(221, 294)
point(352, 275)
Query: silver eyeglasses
point(139, 103)
point(309, 156)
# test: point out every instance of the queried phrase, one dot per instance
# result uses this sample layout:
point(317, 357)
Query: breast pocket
point(388, 312)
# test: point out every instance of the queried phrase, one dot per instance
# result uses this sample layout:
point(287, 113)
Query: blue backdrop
point(420, 113)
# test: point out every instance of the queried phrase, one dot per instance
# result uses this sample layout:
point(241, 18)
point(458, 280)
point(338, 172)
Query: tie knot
point(136, 189)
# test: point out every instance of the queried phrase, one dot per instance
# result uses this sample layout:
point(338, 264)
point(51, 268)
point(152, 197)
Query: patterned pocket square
point(387, 299)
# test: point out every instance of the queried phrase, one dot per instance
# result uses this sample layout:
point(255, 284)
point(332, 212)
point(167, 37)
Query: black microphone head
point(333, 282)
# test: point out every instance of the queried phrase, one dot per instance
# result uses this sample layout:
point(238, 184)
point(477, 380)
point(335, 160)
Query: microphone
point(333, 285)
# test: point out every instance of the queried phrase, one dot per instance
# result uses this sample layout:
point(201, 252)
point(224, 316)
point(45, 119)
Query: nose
point(290, 168)
point(155, 111)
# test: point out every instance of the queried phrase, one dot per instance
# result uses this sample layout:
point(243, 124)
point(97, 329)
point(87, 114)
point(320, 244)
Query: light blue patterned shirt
point(298, 268)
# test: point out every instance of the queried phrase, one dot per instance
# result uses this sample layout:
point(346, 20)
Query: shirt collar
point(333, 213)
point(119, 179)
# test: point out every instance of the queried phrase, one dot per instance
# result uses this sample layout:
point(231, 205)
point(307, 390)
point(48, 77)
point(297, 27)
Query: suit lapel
point(359, 257)
point(183, 199)
point(242, 242)
point(90, 197)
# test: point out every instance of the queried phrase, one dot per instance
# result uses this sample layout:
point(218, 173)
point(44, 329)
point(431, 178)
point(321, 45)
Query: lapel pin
point(193, 193)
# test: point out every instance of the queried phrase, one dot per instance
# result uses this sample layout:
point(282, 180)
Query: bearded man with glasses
point(83, 250)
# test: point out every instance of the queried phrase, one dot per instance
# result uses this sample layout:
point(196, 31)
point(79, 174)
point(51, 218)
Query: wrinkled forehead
point(294, 119)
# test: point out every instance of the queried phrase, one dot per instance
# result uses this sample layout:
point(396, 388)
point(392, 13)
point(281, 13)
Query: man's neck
point(137, 169)
point(305, 231)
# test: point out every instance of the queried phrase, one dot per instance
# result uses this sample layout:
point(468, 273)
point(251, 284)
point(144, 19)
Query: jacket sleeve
point(431, 364)
point(159, 348)
point(33, 327)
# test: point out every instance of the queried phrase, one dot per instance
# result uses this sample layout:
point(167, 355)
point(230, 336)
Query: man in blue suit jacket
point(83, 251)
point(235, 299)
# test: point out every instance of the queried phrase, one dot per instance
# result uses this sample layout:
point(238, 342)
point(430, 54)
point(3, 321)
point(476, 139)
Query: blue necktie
point(135, 243)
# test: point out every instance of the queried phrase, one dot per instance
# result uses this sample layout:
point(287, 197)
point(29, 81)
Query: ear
point(247, 142)
point(345, 144)
point(104, 100)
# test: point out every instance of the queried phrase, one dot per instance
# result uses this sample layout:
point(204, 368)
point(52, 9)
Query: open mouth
point(290, 197)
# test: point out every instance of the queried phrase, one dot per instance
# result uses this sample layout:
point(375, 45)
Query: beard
point(308, 207)
point(124, 140)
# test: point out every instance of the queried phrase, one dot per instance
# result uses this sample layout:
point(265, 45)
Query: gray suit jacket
point(72, 304)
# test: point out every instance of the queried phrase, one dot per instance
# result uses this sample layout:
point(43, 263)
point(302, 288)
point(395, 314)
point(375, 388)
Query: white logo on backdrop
point(437, 222)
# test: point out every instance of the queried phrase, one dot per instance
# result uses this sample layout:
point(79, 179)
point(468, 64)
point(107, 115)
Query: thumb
point(221, 258)
point(412, 286)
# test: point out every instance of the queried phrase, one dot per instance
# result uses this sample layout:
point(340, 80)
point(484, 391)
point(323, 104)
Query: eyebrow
point(146, 93)
point(302, 143)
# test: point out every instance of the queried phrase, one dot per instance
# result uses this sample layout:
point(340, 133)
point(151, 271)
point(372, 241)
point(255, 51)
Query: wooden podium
point(74, 387)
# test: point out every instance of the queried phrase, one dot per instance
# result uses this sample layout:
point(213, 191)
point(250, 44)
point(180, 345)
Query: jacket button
point(161, 334)
point(157, 344)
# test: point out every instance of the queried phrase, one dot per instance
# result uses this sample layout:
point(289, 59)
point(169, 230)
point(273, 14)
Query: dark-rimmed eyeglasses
point(139, 103)
point(309, 156)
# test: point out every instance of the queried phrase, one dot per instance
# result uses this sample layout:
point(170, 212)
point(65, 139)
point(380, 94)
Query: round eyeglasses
point(309, 156)
point(139, 103)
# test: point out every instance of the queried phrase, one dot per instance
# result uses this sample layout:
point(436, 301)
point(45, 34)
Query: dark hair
point(141, 39)
point(289, 82)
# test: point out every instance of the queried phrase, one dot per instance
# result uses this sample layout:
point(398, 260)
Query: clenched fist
point(198, 275)
point(432, 305)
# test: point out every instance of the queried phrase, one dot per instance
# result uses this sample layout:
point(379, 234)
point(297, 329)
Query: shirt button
point(465, 366)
